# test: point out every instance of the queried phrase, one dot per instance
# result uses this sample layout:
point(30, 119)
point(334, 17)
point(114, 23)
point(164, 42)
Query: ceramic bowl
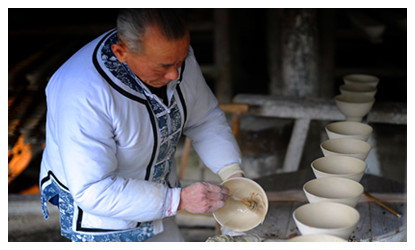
point(348, 129)
point(354, 106)
point(317, 238)
point(335, 189)
point(339, 166)
point(237, 216)
point(326, 217)
point(357, 88)
point(347, 147)
point(362, 79)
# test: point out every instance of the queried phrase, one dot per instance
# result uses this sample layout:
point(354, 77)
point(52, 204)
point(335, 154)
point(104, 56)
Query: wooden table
point(375, 224)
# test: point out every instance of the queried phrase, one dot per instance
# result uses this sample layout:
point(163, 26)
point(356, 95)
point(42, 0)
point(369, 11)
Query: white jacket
point(110, 144)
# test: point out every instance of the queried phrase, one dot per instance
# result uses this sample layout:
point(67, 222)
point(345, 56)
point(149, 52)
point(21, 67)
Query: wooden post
point(298, 52)
point(296, 145)
point(327, 45)
point(274, 52)
point(223, 87)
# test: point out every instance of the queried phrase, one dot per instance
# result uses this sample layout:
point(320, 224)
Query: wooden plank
point(234, 107)
point(318, 108)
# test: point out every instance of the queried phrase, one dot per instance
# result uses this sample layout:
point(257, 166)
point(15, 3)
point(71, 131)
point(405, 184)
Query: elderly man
point(116, 111)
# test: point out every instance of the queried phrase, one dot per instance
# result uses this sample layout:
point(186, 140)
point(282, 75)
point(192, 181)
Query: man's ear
point(120, 51)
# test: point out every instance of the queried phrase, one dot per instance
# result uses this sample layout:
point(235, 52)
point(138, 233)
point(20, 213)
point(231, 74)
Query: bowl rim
point(372, 78)
point(266, 204)
point(366, 99)
point(354, 123)
point(357, 141)
point(338, 175)
point(360, 186)
point(347, 87)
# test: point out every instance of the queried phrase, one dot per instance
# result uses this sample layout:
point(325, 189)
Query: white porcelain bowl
point(348, 129)
point(317, 238)
point(339, 166)
point(347, 147)
point(362, 79)
point(335, 189)
point(326, 218)
point(354, 106)
point(237, 216)
point(358, 88)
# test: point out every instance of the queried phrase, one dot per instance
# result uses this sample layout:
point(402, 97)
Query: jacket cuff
point(172, 201)
point(229, 170)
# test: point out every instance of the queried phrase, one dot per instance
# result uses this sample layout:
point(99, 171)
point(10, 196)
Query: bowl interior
point(237, 216)
point(327, 215)
point(333, 188)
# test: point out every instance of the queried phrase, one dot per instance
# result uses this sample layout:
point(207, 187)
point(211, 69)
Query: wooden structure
point(303, 110)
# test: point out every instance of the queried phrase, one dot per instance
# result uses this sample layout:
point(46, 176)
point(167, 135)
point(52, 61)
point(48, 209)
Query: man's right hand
point(203, 197)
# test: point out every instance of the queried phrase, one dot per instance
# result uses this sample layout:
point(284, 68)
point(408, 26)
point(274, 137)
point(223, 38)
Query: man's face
point(158, 62)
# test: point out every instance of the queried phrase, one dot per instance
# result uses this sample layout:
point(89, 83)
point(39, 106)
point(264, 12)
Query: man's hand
point(203, 197)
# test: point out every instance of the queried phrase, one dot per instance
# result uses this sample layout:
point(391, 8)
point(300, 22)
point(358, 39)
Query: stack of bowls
point(356, 96)
point(330, 214)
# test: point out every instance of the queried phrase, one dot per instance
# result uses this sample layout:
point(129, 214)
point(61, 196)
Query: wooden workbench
point(376, 223)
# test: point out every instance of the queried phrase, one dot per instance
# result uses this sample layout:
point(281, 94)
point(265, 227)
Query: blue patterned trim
point(169, 122)
point(66, 205)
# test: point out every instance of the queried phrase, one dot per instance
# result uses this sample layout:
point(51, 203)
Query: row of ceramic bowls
point(330, 214)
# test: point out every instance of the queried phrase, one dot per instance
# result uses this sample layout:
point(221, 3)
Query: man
point(116, 111)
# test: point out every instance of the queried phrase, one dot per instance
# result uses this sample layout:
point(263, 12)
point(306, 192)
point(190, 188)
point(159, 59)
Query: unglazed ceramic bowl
point(326, 217)
point(362, 79)
point(354, 106)
point(347, 147)
point(335, 189)
point(348, 129)
point(317, 238)
point(357, 88)
point(237, 216)
point(339, 166)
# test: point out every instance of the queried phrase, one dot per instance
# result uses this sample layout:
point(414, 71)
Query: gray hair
point(132, 23)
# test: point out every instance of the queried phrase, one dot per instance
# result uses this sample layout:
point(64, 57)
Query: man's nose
point(172, 73)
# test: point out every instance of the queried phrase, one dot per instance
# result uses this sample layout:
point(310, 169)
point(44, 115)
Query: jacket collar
point(122, 72)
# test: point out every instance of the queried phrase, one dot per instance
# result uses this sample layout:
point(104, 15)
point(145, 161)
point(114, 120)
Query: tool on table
point(383, 205)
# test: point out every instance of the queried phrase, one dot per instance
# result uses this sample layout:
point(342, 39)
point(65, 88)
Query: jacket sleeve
point(206, 125)
point(82, 126)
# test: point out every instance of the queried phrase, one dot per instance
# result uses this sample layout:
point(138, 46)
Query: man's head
point(153, 42)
